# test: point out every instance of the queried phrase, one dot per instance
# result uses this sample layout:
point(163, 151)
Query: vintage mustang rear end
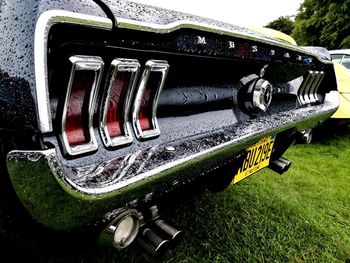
point(110, 108)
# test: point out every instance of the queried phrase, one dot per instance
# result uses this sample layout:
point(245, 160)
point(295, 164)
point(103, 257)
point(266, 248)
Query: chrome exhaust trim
point(305, 137)
point(156, 234)
point(280, 165)
point(169, 231)
point(122, 231)
point(151, 242)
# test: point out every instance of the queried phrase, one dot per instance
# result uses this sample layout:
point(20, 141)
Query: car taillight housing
point(125, 91)
point(78, 110)
point(144, 118)
point(307, 92)
point(115, 126)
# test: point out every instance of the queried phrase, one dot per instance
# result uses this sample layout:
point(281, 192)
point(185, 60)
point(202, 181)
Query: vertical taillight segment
point(145, 106)
point(77, 118)
point(308, 90)
point(115, 126)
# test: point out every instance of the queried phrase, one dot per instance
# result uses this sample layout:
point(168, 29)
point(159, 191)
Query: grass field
point(302, 216)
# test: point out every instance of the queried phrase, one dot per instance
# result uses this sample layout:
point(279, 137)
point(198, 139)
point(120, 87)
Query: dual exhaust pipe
point(157, 237)
point(280, 165)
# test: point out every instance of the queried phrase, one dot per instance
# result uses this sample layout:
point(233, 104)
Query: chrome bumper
point(65, 198)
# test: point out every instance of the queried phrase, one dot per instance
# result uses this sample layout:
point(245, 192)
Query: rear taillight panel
point(77, 118)
point(162, 83)
point(127, 107)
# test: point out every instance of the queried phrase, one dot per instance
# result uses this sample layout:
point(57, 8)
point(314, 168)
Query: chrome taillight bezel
point(91, 63)
point(308, 90)
point(315, 86)
point(150, 66)
point(119, 65)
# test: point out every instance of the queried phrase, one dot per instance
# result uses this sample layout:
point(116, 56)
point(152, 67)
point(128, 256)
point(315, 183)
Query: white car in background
point(341, 56)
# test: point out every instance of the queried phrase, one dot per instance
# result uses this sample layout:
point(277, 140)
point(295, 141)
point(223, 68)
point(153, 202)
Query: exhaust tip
point(156, 235)
point(123, 230)
point(305, 137)
point(280, 165)
point(151, 242)
point(173, 234)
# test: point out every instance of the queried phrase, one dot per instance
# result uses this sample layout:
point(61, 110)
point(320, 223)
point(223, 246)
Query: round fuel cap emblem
point(262, 95)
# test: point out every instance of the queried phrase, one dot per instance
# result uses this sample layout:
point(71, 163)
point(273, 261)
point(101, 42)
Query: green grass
point(301, 216)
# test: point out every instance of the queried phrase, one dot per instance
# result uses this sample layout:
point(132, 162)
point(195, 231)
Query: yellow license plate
point(258, 157)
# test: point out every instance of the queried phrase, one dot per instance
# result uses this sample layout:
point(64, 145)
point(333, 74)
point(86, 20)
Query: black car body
point(108, 105)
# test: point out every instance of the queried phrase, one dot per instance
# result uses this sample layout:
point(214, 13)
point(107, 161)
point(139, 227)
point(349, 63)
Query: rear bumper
point(64, 198)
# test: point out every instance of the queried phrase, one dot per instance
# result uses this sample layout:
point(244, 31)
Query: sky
point(247, 13)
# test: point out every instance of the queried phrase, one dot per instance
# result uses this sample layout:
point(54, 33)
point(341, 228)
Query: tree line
point(318, 23)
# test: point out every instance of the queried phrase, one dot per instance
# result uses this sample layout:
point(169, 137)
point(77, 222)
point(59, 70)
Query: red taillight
point(145, 122)
point(77, 131)
point(76, 123)
point(115, 127)
point(115, 107)
point(145, 107)
point(149, 93)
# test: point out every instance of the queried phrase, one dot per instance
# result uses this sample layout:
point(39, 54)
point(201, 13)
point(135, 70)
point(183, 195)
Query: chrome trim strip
point(82, 63)
point(202, 26)
point(52, 17)
point(151, 66)
point(120, 65)
point(43, 26)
